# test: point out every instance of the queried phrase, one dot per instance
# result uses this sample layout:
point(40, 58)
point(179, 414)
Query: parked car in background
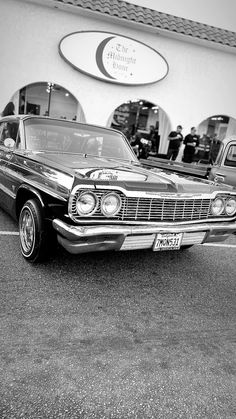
point(83, 187)
point(223, 170)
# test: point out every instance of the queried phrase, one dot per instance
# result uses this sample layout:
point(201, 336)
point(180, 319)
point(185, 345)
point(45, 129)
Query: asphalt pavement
point(118, 335)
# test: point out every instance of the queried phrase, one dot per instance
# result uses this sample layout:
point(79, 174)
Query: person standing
point(175, 140)
point(151, 138)
point(214, 148)
point(191, 142)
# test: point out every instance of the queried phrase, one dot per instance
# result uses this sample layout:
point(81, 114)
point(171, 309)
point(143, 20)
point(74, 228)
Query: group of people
point(190, 141)
point(151, 143)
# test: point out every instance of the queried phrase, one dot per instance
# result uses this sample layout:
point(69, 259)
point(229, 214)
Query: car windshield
point(49, 135)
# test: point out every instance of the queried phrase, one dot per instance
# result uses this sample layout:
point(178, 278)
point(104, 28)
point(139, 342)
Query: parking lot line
point(9, 233)
point(218, 245)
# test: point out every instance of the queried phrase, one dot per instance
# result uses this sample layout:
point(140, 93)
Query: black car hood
point(129, 175)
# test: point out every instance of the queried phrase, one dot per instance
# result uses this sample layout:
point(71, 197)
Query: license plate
point(167, 241)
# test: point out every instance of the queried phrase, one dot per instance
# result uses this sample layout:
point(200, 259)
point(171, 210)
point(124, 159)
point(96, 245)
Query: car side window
point(230, 159)
point(8, 130)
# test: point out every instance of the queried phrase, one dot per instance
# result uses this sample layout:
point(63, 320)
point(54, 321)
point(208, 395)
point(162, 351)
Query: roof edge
point(150, 20)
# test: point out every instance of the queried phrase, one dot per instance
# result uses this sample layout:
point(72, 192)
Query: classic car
point(82, 186)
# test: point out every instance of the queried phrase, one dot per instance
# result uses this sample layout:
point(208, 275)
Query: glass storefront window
point(48, 99)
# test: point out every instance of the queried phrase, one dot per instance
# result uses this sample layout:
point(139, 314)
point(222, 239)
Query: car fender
point(24, 193)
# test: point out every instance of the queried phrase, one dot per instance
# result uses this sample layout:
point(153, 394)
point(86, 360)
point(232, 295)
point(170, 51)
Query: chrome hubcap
point(27, 230)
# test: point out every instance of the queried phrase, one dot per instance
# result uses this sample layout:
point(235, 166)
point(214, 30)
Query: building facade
point(198, 88)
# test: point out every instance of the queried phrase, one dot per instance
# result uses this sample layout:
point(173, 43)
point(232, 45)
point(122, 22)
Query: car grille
point(153, 209)
point(166, 209)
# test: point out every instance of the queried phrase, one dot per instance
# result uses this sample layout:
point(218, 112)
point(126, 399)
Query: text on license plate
point(168, 241)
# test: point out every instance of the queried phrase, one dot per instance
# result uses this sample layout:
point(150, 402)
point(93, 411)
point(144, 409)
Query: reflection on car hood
point(128, 175)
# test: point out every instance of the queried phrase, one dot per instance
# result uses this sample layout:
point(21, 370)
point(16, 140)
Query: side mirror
point(9, 142)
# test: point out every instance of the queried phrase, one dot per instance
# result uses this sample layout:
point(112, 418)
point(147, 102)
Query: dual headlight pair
point(87, 203)
point(220, 206)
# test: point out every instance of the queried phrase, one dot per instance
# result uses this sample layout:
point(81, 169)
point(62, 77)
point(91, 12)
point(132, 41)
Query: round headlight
point(217, 206)
point(110, 204)
point(230, 206)
point(86, 203)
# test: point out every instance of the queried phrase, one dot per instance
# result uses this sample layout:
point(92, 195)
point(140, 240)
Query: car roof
point(9, 117)
point(229, 139)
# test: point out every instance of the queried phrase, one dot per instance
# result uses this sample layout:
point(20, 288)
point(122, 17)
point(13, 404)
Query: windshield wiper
point(111, 158)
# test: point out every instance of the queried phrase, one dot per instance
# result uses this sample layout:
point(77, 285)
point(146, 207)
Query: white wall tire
point(33, 235)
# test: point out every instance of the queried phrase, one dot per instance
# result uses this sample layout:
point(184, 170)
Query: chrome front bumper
point(83, 239)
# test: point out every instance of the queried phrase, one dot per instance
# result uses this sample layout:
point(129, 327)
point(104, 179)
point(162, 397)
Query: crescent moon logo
point(113, 58)
point(99, 54)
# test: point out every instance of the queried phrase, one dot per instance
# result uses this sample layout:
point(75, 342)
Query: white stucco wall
point(200, 82)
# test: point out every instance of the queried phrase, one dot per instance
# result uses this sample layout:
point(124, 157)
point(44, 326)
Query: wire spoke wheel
point(27, 230)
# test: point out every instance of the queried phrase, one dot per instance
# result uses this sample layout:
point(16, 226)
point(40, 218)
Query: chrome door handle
point(219, 177)
point(8, 156)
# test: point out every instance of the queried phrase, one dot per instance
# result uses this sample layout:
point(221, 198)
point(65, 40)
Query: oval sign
point(113, 58)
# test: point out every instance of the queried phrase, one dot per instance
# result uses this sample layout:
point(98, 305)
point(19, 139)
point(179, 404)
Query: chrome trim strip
point(7, 191)
point(74, 233)
point(93, 221)
point(6, 169)
point(43, 189)
point(143, 194)
point(36, 185)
